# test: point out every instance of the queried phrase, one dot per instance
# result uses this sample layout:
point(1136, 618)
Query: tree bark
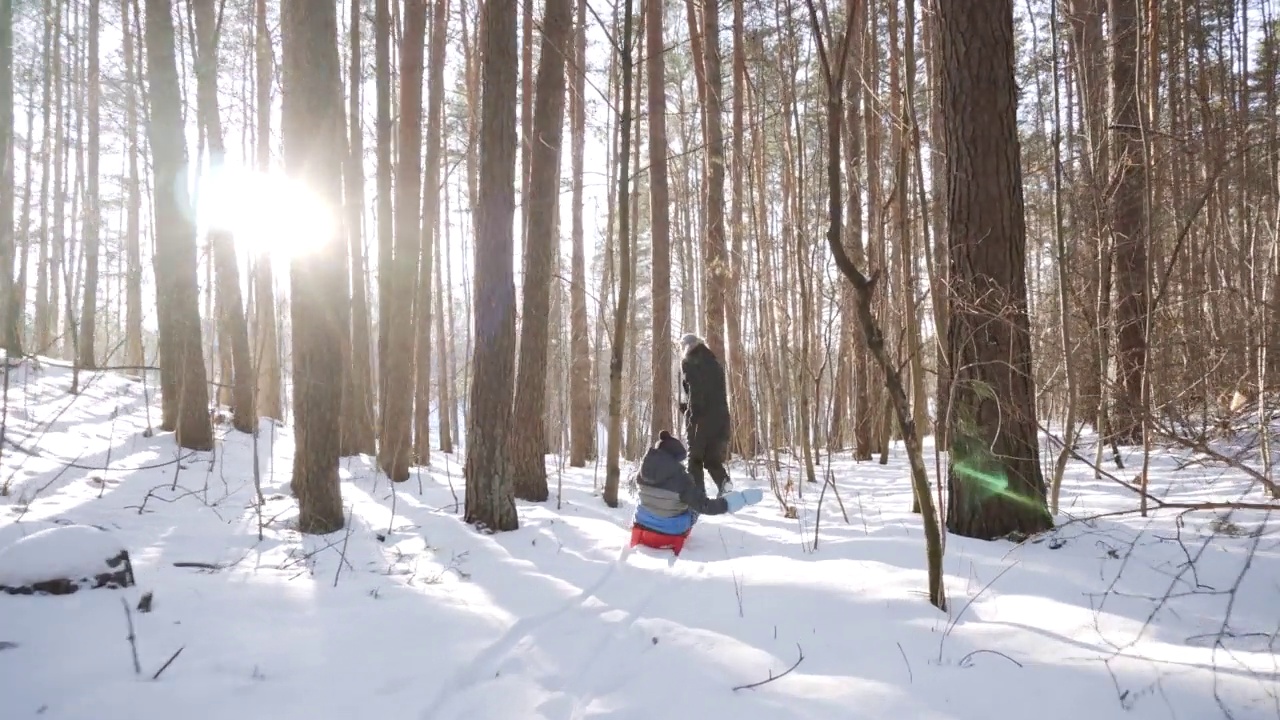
point(270, 399)
point(582, 435)
point(396, 451)
point(231, 319)
point(994, 477)
point(541, 245)
point(430, 233)
point(312, 126)
point(133, 348)
point(359, 438)
point(1127, 223)
point(10, 338)
point(490, 501)
point(662, 409)
point(613, 470)
point(176, 279)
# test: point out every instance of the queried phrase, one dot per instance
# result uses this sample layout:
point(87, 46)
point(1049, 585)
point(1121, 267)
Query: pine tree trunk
point(582, 410)
point(385, 212)
point(396, 451)
point(541, 245)
point(359, 435)
point(266, 353)
point(430, 232)
point(994, 476)
point(662, 408)
point(716, 262)
point(312, 126)
point(231, 320)
point(1127, 223)
point(133, 355)
point(613, 470)
point(176, 278)
point(490, 501)
point(9, 337)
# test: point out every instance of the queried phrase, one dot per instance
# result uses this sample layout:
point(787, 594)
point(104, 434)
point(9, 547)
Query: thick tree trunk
point(717, 276)
point(312, 126)
point(430, 233)
point(231, 321)
point(613, 469)
point(490, 501)
point(396, 451)
point(662, 408)
point(176, 279)
point(541, 245)
point(1128, 224)
point(996, 486)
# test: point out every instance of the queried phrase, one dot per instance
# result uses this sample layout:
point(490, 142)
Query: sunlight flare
point(268, 213)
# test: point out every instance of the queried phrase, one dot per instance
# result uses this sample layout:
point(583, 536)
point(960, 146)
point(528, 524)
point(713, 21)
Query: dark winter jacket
point(707, 410)
point(667, 490)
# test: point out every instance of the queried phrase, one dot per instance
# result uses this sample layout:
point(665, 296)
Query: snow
point(73, 552)
point(409, 613)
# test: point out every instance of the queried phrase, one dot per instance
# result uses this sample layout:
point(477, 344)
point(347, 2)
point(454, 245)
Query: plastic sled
point(641, 535)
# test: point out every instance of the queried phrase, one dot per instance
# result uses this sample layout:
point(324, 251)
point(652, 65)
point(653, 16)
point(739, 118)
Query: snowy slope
point(411, 614)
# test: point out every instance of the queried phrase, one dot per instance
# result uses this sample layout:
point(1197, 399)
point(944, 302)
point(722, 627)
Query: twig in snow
point(168, 662)
point(773, 677)
point(133, 638)
point(967, 662)
point(951, 626)
point(911, 677)
point(342, 556)
point(737, 586)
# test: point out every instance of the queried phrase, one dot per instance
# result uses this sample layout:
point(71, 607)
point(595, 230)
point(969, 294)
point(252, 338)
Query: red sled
point(641, 535)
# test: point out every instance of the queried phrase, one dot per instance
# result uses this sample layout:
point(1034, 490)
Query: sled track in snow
point(486, 663)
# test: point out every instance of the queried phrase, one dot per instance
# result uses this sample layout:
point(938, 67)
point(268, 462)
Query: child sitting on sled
point(671, 500)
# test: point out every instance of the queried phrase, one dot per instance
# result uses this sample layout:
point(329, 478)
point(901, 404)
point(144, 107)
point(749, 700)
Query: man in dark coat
point(706, 412)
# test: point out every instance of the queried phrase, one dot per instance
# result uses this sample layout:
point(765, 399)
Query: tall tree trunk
point(396, 451)
point(133, 355)
point(176, 279)
point(384, 210)
point(613, 470)
point(1127, 222)
point(582, 435)
point(92, 211)
point(541, 245)
point(659, 223)
point(490, 501)
point(359, 437)
point(717, 277)
point(266, 356)
point(312, 125)
point(430, 232)
point(994, 476)
point(744, 432)
point(231, 319)
point(9, 310)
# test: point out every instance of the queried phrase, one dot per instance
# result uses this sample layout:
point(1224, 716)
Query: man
point(706, 412)
point(671, 501)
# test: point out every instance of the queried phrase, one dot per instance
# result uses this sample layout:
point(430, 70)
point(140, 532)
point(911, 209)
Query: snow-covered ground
point(410, 613)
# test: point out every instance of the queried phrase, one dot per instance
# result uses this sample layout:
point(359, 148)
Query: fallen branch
point(168, 662)
point(133, 638)
point(772, 677)
point(967, 662)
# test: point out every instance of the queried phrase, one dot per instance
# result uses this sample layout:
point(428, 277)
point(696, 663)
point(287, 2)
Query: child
point(671, 500)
